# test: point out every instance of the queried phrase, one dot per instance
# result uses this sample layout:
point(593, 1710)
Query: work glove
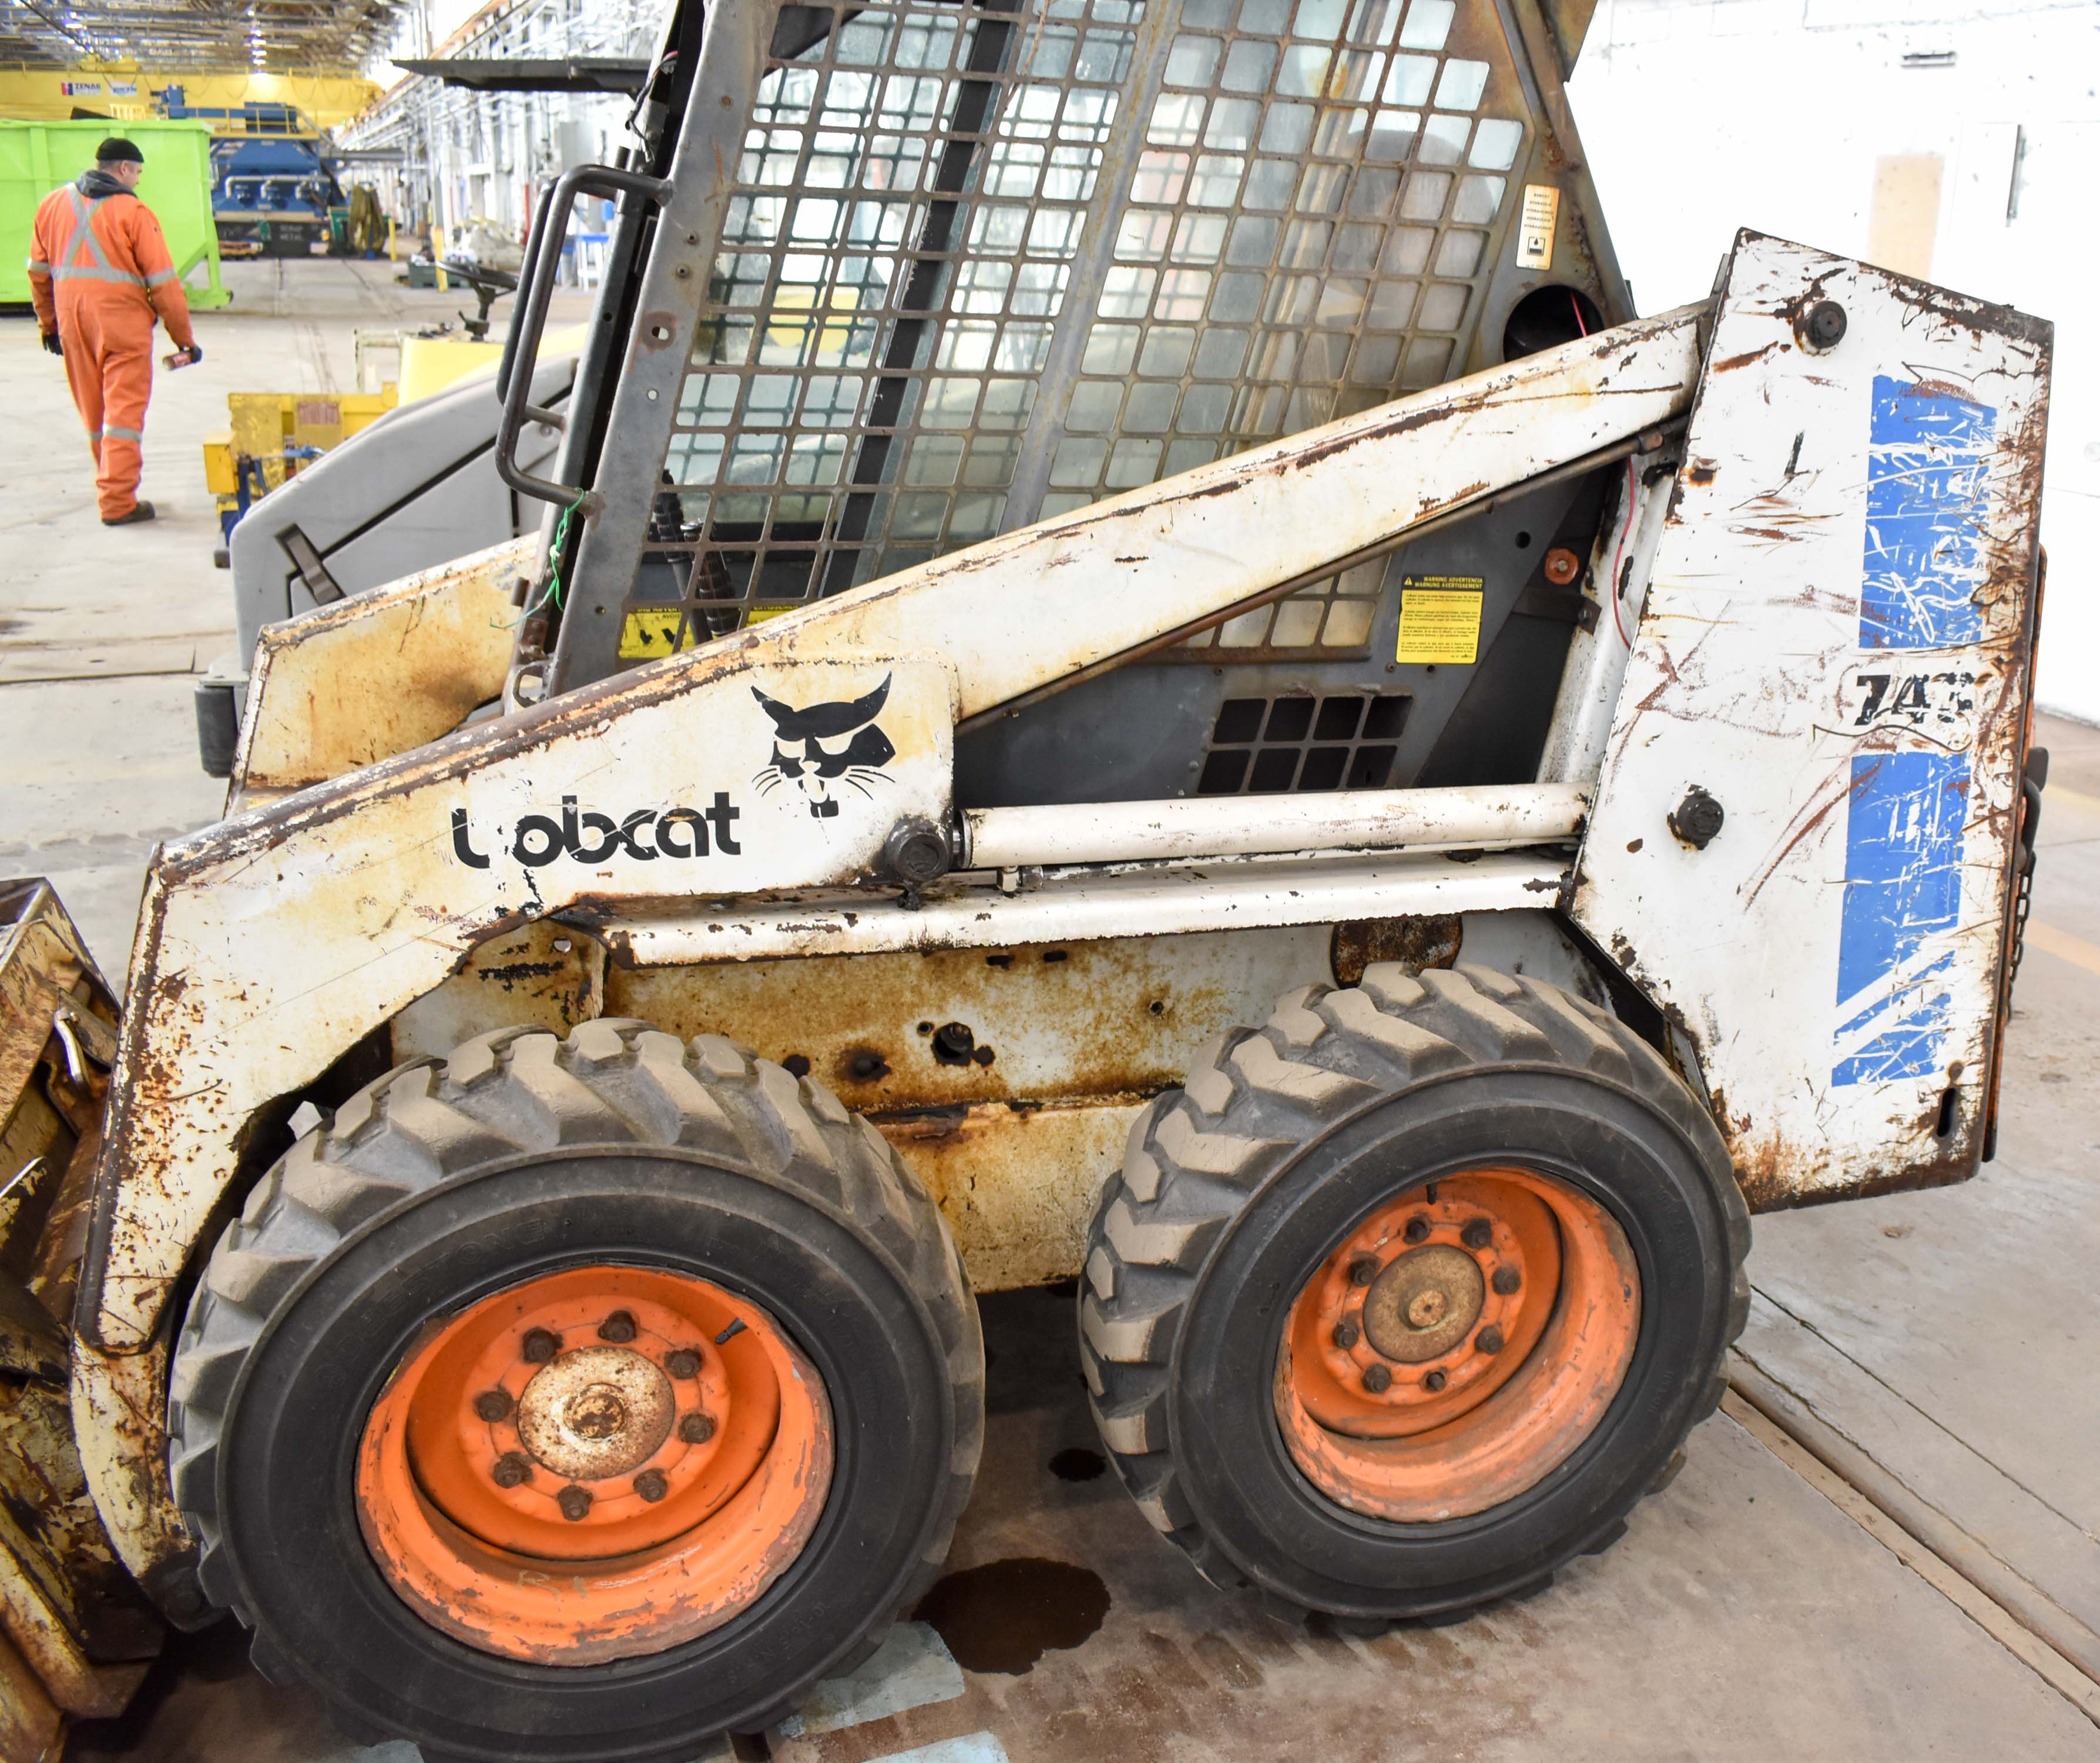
point(52, 346)
point(196, 353)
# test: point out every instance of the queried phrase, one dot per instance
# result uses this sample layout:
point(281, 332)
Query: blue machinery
point(272, 191)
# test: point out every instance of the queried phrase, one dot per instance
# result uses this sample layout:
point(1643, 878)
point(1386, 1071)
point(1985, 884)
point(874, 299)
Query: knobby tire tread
point(1252, 1101)
point(517, 1091)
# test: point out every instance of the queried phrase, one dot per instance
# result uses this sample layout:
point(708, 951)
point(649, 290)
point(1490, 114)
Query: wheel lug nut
point(492, 1404)
point(1489, 1340)
point(1378, 1380)
point(1478, 1234)
point(697, 1428)
point(684, 1363)
point(575, 1502)
point(618, 1327)
point(540, 1346)
point(651, 1485)
point(1346, 1335)
point(1506, 1280)
point(1417, 1227)
point(513, 1469)
point(1434, 1382)
point(1363, 1270)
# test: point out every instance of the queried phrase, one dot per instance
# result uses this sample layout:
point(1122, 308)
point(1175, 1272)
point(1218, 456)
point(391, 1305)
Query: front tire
point(482, 1402)
point(1409, 1295)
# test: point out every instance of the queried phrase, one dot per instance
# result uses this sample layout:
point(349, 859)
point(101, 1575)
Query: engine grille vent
point(1264, 746)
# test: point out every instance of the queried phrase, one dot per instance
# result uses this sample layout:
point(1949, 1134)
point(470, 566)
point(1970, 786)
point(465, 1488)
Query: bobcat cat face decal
point(824, 746)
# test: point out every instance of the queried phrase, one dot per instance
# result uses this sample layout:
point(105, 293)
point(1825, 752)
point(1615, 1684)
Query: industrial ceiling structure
point(209, 36)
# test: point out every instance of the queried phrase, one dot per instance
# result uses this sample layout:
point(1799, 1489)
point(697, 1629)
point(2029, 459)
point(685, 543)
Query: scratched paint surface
point(1903, 894)
point(1834, 646)
point(1928, 455)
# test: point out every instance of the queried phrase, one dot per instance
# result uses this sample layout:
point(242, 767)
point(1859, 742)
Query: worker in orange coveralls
point(98, 249)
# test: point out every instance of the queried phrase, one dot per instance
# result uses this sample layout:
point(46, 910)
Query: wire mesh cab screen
point(983, 263)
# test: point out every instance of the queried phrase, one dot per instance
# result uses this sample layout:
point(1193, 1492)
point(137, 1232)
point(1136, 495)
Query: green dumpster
point(37, 157)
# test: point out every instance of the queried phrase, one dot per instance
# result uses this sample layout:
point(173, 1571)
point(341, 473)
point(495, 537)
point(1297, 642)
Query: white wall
point(1701, 115)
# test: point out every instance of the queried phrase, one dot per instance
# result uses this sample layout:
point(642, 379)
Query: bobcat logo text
point(592, 838)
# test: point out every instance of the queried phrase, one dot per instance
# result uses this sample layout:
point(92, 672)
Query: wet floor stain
point(1006, 1615)
point(1078, 1465)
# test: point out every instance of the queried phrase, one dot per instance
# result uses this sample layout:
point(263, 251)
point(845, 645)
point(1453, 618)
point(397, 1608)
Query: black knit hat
point(117, 149)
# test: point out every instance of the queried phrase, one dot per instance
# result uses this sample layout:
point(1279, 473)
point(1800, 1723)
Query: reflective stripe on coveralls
point(95, 260)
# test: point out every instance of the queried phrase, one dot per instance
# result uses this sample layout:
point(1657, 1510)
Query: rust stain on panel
point(1044, 1022)
point(1017, 1185)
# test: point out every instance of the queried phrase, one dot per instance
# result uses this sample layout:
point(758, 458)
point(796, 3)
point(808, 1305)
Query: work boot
point(139, 511)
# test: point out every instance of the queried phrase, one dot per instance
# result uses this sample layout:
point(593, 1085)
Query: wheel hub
point(652, 1438)
point(1423, 1303)
point(1457, 1344)
point(596, 1413)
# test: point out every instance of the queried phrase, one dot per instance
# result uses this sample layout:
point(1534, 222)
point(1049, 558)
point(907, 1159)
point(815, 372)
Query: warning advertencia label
point(1440, 619)
point(1534, 229)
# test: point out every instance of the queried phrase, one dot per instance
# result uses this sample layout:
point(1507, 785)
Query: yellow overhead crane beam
point(125, 93)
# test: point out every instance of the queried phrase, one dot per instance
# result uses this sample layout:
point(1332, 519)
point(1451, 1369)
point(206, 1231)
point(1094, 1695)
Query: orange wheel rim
point(595, 1463)
point(1456, 1347)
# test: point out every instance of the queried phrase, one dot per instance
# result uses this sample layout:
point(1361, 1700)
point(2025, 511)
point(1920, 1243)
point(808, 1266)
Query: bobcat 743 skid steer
point(1078, 521)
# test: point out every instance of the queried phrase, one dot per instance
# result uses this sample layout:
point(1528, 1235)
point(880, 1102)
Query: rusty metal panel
point(120, 1414)
point(950, 1027)
point(1015, 1185)
point(1834, 649)
point(541, 975)
point(350, 684)
point(31, 1727)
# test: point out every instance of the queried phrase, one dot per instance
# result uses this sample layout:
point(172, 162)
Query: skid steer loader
point(1078, 520)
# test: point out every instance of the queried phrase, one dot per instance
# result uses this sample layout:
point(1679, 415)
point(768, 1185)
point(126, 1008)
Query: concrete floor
point(1937, 1348)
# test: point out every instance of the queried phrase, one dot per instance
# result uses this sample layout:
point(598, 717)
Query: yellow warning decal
point(1440, 619)
point(650, 631)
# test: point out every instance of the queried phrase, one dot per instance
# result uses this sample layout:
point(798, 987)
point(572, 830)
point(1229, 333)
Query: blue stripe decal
point(1908, 1049)
point(1903, 885)
point(1928, 455)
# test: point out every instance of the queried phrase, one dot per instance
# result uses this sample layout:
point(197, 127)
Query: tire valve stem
point(513, 1469)
point(575, 1502)
point(730, 1333)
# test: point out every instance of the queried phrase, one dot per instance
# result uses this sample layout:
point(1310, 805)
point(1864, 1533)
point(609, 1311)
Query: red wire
point(1612, 586)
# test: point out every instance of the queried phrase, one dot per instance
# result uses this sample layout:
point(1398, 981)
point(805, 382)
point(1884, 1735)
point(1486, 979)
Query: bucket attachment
point(76, 1635)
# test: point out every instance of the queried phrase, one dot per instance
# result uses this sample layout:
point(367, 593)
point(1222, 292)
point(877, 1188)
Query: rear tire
point(521, 1162)
point(1268, 1174)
